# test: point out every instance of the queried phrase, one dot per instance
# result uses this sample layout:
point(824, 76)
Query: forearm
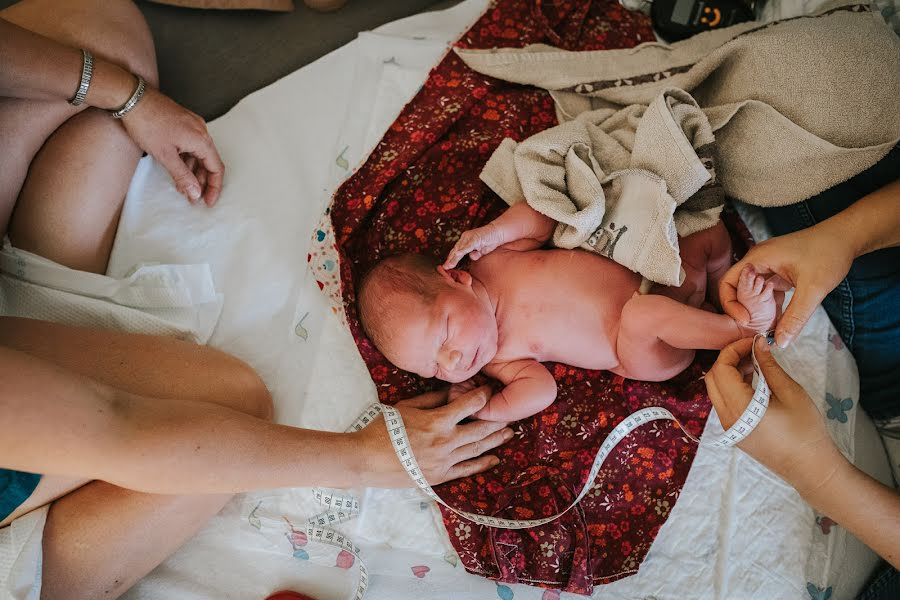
point(210, 449)
point(869, 224)
point(521, 222)
point(176, 447)
point(59, 423)
point(861, 505)
point(35, 67)
point(528, 389)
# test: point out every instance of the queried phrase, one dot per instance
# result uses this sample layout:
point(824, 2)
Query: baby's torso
point(557, 305)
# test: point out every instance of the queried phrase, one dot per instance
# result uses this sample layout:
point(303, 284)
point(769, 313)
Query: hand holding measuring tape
point(445, 448)
point(792, 440)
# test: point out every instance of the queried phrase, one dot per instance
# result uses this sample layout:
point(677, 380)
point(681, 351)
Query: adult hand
point(475, 243)
point(807, 260)
point(790, 439)
point(178, 139)
point(444, 447)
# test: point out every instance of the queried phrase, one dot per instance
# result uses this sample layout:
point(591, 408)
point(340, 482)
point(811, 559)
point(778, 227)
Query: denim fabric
point(865, 307)
point(15, 488)
point(884, 586)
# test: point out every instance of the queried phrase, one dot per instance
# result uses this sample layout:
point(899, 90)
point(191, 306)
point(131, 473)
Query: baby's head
point(428, 320)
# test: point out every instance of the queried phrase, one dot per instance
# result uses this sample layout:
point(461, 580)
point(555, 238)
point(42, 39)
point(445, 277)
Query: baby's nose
point(451, 360)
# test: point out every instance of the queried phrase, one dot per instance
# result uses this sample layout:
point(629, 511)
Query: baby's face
point(452, 339)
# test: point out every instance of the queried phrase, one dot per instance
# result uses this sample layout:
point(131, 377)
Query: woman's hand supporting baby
point(445, 448)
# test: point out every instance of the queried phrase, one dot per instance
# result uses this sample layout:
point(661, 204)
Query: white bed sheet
point(287, 147)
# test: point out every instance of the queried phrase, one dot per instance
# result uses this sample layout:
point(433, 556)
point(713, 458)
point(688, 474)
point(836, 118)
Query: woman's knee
point(111, 29)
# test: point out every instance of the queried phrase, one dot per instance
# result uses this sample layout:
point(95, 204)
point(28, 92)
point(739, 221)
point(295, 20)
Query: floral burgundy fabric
point(417, 192)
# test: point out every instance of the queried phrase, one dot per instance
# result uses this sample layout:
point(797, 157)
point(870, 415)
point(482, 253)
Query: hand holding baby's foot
point(755, 294)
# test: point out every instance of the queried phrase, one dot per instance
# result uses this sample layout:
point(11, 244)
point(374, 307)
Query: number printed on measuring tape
point(342, 507)
point(751, 416)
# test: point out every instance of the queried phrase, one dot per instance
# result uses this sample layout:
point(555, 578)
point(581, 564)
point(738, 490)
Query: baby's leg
point(658, 336)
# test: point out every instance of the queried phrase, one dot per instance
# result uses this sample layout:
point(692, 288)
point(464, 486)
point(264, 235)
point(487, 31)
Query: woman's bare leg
point(66, 169)
point(100, 539)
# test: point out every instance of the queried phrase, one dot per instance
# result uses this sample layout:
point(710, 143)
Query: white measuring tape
point(343, 507)
point(749, 419)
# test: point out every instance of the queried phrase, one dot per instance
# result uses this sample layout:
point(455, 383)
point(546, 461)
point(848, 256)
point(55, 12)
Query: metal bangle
point(87, 71)
point(132, 102)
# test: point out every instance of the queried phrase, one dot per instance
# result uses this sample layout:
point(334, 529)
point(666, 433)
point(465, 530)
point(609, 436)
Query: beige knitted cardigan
point(794, 107)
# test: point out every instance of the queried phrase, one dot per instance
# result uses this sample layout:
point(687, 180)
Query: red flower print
point(418, 191)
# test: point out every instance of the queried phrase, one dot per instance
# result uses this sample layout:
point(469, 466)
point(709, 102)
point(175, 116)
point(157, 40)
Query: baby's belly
point(584, 343)
point(573, 309)
point(594, 352)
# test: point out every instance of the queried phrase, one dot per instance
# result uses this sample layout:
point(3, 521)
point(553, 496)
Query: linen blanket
point(416, 192)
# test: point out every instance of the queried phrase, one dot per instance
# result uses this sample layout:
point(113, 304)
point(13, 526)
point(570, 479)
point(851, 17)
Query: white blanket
point(286, 148)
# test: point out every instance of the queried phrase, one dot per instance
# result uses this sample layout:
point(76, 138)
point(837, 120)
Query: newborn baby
point(518, 306)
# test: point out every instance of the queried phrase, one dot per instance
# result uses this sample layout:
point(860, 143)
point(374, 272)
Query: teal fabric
point(15, 488)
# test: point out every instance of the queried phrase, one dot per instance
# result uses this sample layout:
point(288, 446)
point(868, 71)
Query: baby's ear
point(456, 275)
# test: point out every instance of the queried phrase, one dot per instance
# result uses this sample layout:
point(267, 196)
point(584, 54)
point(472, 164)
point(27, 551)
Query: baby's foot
point(755, 294)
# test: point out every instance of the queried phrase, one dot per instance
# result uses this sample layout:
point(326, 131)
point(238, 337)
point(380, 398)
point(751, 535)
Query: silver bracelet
point(132, 102)
point(87, 71)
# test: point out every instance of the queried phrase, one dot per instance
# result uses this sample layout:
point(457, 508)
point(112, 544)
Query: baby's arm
point(519, 228)
point(529, 389)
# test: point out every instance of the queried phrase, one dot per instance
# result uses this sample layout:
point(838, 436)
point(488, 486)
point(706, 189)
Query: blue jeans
point(865, 307)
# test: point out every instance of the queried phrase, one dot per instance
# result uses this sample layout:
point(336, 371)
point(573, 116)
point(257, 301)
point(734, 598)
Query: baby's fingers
point(453, 258)
point(463, 247)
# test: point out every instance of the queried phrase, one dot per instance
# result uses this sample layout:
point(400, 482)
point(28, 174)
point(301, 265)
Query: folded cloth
point(797, 106)
point(619, 183)
point(173, 300)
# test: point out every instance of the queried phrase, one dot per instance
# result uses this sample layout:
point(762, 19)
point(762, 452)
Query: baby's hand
point(476, 243)
point(463, 388)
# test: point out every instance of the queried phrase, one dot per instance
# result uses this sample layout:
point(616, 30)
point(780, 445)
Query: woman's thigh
point(149, 366)
point(64, 171)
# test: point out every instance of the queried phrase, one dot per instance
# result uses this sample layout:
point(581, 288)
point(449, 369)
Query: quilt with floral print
point(417, 192)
